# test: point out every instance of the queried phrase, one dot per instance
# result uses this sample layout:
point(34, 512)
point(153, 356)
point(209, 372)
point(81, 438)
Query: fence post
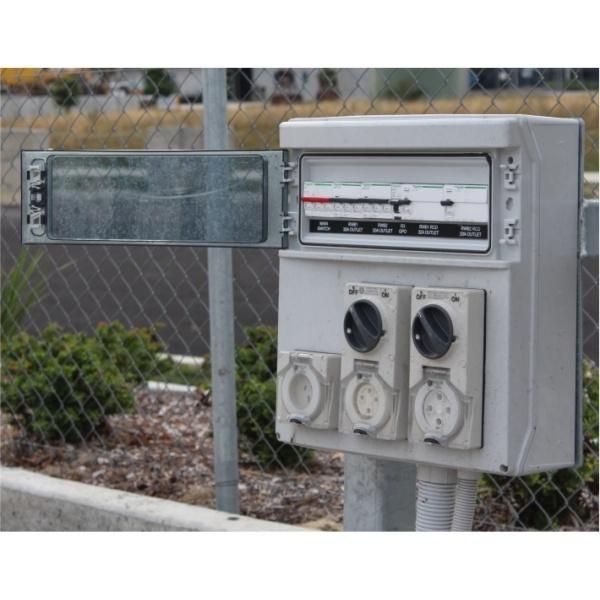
point(461, 83)
point(222, 340)
point(379, 495)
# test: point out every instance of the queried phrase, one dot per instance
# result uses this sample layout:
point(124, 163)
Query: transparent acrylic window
point(158, 197)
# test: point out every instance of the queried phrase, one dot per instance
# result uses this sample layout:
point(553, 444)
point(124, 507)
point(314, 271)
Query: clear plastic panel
point(155, 197)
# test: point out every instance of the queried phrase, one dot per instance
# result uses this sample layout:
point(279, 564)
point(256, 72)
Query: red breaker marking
point(314, 199)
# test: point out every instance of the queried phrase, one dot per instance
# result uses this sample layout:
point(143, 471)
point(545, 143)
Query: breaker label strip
point(477, 231)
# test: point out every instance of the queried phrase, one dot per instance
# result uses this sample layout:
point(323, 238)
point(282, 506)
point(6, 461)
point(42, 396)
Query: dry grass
point(255, 124)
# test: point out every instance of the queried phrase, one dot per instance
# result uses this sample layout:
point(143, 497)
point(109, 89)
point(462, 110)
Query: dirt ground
point(165, 449)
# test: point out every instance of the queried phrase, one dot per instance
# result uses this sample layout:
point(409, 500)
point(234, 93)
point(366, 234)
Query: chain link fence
point(128, 405)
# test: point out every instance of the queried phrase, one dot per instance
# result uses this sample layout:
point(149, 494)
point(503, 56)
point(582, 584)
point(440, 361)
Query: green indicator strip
point(417, 185)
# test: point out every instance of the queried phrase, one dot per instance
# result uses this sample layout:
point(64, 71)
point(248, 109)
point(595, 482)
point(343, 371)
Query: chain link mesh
point(159, 443)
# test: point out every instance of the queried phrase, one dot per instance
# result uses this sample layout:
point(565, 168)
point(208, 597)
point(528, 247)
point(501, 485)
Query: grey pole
point(222, 341)
point(461, 83)
point(379, 495)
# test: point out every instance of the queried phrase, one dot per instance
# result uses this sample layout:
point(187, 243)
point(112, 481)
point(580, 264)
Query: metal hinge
point(286, 219)
point(511, 169)
point(287, 168)
point(511, 227)
point(36, 214)
point(36, 176)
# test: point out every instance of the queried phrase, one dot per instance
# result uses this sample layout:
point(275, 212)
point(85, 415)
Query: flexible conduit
point(436, 491)
point(466, 495)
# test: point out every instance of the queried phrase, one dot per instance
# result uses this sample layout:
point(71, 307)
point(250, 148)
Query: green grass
point(21, 290)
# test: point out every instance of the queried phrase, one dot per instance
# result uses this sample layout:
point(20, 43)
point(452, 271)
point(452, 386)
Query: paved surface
point(143, 285)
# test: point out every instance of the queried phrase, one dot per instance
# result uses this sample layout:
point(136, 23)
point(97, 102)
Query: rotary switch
point(363, 326)
point(432, 331)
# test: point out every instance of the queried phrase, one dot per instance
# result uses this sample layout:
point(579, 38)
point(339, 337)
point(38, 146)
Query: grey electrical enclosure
point(428, 301)
point(437, 258)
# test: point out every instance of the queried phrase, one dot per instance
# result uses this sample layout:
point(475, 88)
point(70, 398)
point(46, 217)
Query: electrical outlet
point(375, 360)
point(308, 388)
point(446, 367)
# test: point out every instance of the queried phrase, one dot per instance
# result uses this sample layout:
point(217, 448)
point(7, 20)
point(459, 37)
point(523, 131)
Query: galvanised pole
point(222, 340)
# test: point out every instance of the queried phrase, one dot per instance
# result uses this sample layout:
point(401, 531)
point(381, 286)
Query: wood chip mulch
point(164, 449)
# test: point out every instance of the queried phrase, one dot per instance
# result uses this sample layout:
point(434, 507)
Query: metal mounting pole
point(222, 341)
point(379, 495)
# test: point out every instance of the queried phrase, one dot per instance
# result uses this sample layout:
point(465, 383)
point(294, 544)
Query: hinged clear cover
point(224, 198)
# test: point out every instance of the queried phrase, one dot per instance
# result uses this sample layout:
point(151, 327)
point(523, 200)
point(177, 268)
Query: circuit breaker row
point(411, 367)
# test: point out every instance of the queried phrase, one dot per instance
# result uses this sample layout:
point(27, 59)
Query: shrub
point(132, 351)
point(328, 85)
point(564, 494)
point(62, 386)
point(258, 358)
point(66, 91)
point(328, 78)
point(158, 82)
point(256, 396)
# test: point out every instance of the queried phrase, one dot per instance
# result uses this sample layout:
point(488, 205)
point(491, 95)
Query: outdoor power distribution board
point(428, 300)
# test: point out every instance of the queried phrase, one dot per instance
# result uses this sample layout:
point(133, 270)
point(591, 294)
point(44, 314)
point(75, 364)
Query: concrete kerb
point(34, 502)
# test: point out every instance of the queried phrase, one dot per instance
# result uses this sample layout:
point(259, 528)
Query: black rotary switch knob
point(432, 331)
point(363, 327)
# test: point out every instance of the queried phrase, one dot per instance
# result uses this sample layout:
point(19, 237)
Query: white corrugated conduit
point(436, 491)
point(466, 495)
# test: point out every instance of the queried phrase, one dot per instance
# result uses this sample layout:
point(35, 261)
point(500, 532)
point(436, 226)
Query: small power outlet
point(308, 388)
point(446, 367)
point(375, 361)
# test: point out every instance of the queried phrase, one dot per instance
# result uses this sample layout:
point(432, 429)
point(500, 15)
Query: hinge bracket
point(287, 169)
point(511, 227)
point(511, 171)
point(37, 207)
point(286, 219)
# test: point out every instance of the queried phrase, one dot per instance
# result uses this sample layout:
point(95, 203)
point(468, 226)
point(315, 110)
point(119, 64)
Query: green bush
point(66, 91)
point(256, 392)
point(62, 386)
point(132, 351)
point(328, 78)
point(158, 82)
point(560, 494)
point(258, 358)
